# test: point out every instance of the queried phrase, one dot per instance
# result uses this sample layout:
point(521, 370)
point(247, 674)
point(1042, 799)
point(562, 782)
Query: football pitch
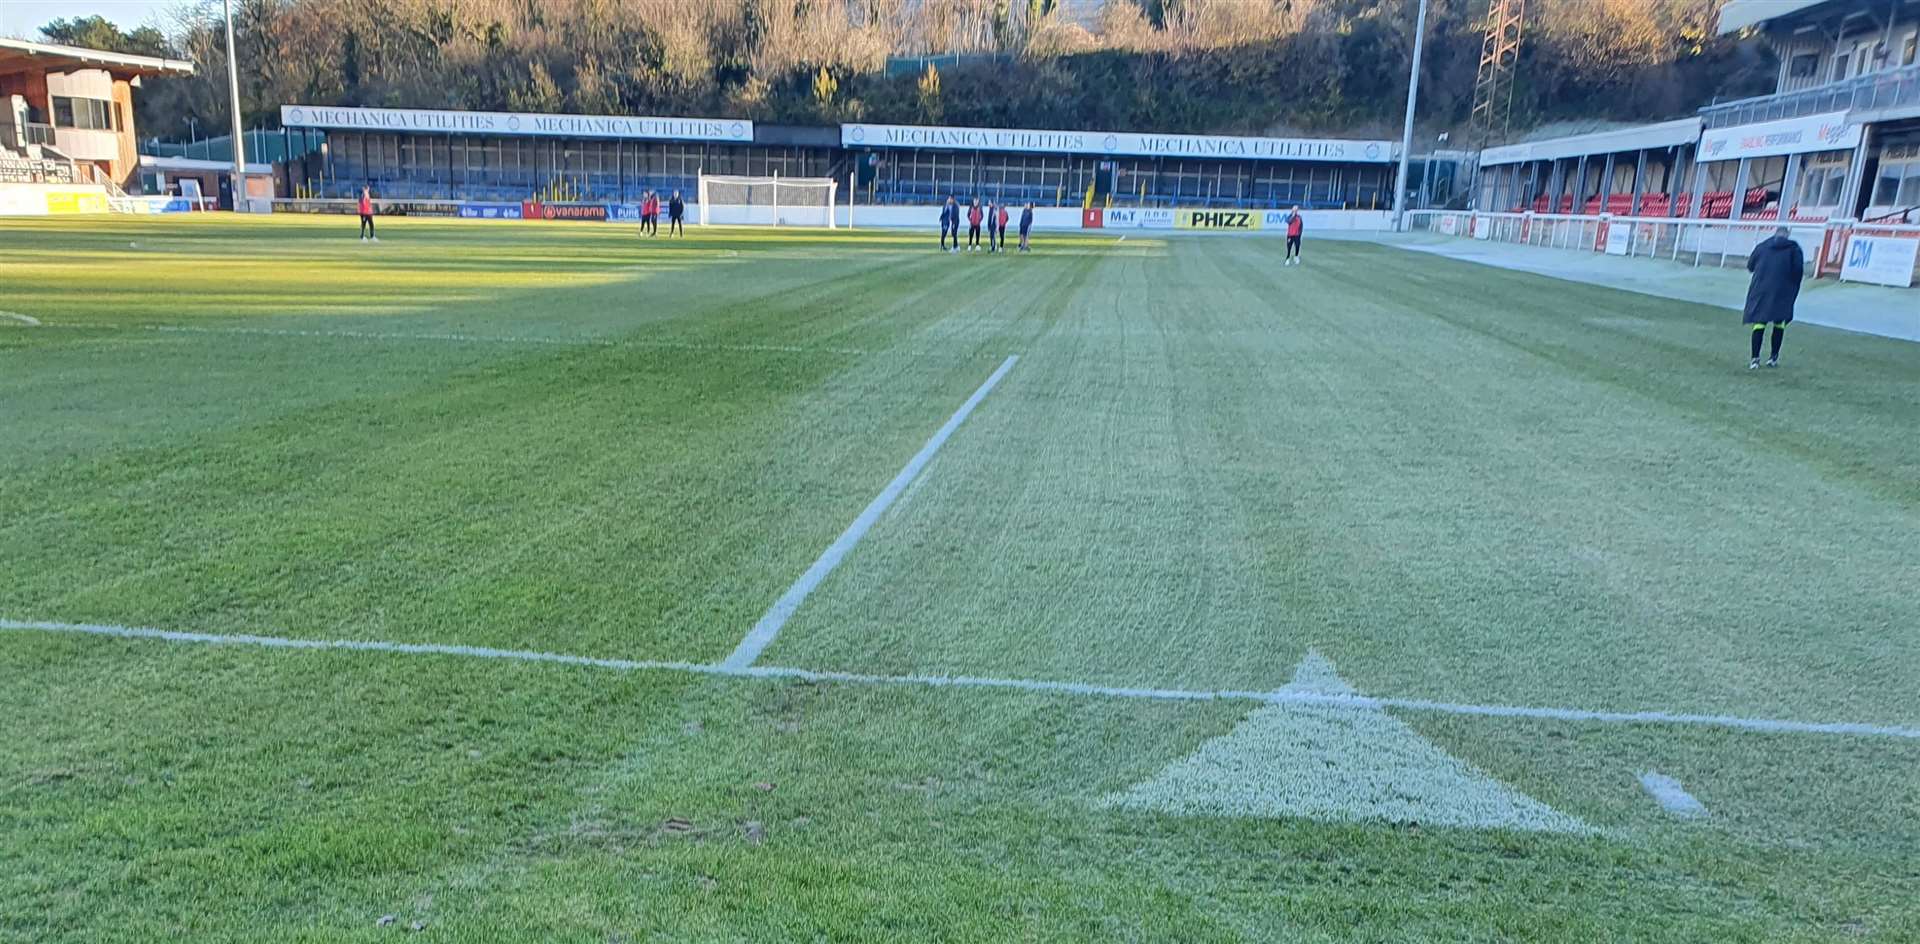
point(540, 582)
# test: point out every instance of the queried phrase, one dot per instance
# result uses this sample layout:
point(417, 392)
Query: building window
point(1913, 46)
point(1804, 66)
point(1899, 181)
point(88, 114)
point(1823, 179)
point(1840, 67)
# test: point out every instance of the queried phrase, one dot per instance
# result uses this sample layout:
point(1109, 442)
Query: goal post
point(767, 201)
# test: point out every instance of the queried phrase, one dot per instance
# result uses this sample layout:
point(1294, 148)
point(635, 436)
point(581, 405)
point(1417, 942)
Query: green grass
point(1455, 483)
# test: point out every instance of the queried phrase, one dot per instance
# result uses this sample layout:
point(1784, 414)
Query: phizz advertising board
point(1216, 219)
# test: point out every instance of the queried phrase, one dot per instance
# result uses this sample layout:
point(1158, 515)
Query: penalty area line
point(1037, 686)
point(765, 631)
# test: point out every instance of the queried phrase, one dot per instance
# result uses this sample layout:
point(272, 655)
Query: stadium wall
point(1120, 221)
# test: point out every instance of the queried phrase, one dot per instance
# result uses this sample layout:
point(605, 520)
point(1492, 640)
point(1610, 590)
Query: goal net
point(767, 201)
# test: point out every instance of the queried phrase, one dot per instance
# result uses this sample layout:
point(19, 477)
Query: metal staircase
point(1493, 84)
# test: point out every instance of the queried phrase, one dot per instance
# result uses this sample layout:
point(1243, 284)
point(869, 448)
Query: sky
point(24, 18)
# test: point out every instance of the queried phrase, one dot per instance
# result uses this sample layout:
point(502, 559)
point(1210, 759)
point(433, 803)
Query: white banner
point(1482, 227)
point(1450, 225)
point(1882, 260)
point(1143, 218)
point(1115, 142)
point(1619, 237)
point(1828, 132)
point(524, 124)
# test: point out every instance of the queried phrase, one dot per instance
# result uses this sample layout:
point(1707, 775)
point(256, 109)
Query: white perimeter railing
point(1695, 242)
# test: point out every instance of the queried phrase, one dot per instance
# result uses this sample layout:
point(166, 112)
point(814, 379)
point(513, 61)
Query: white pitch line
point(495, 339)
point(23, 319)
point(458, 338)
point(768, 627)
point(408, 648)
point(1281, 697)
point(1671, 795)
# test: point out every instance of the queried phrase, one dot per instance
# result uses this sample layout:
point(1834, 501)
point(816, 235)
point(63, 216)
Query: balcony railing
point(1871, 92)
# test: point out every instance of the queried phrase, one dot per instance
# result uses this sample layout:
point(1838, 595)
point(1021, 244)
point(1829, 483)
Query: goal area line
point(1035, 686)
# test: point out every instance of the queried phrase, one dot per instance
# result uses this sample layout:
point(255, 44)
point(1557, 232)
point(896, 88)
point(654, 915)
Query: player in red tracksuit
point(1001, 212)
point(366, 216)
point(1294, 226)
point(973, 227)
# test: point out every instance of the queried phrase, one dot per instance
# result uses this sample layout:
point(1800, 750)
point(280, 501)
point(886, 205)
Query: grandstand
point(417, 155)
point(408, 154)
point(1061, 168)
point(1840, 138)
point(66, 113)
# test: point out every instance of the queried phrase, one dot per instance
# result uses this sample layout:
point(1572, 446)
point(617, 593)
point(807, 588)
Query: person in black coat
point(1777, 265)
point(950, 223)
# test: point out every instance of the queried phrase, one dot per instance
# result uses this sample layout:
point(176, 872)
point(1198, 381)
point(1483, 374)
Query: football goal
point(767, 201)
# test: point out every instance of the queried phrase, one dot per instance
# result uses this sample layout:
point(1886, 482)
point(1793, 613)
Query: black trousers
point(973, 234)
point(674, 226)
point(944, 230)
point(366, 225)
point(1779, 334)
point(1293, 246)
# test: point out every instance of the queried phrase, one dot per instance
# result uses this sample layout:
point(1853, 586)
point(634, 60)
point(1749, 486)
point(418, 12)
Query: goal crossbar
point(767, 201)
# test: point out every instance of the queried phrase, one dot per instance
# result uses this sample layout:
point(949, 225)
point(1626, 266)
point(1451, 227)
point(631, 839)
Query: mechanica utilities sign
point(525, 124)
point(1115, 142)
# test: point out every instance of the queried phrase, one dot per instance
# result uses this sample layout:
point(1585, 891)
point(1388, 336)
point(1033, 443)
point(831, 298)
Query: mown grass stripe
point(1040, 686)
point(764, 632)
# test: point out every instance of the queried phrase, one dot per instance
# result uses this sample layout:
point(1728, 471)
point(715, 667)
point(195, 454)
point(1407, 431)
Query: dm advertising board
point(1882, 260)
